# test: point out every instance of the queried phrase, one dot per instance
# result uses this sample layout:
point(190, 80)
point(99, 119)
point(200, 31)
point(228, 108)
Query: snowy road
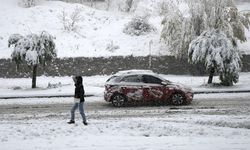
point(55, 106)
point(217, 121)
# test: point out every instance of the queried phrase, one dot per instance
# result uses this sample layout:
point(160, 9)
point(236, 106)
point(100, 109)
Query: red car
point(143, 86)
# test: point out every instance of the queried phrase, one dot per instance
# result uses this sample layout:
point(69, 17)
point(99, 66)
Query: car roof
point(125, 73)
point(134, 72)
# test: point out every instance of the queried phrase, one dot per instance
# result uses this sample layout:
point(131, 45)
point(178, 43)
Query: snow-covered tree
point(33, 50)
point(201, 15)
point(219, 55)
point(174, 36)
point(129, 4)
point(204, 17)
point(138, 25)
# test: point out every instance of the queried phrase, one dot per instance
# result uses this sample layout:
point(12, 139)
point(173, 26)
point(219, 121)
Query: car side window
point(133, 78)
point(151, 79)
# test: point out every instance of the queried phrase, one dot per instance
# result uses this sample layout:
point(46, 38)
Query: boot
point(85, 123)
point(71, 122)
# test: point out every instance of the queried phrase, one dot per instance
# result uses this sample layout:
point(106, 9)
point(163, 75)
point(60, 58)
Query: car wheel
point(118, 100)
point(178, 99)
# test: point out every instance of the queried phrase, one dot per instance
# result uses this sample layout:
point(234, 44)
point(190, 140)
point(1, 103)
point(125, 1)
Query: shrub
point(138, 26)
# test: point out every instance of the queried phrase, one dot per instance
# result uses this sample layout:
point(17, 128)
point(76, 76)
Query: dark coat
point(79, 90)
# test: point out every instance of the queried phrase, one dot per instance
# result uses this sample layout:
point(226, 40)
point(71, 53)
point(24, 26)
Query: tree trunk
point(34, 76)
point(211, 75)
point(91, 3)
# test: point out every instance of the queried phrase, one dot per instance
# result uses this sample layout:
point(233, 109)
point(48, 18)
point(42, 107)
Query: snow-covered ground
point(208, 123)
point(125, 134)
point(212, 121)
point(98, 29)
point(94, 85)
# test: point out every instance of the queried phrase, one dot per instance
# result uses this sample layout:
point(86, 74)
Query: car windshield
point(114, 79)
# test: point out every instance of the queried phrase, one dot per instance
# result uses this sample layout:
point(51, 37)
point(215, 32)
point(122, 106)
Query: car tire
point(118, 100)
point(177, 99)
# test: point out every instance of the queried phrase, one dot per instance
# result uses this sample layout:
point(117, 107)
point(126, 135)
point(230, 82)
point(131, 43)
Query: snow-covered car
point(144, 86)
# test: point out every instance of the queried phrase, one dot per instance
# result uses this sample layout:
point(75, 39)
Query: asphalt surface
point(100, 109)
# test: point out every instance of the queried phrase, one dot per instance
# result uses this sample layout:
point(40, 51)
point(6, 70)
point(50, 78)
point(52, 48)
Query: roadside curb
point(40, 96)
point(214, 92)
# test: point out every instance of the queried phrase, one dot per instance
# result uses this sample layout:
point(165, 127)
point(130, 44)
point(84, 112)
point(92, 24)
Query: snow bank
point(94, 85)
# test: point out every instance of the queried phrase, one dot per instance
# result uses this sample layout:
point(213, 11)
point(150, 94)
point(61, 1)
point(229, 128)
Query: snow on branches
point(207, 32)
point(13, 39)
point(200, 16)
point(70, 21)
point(177, 33)
point(218, 53)
point(32, 49)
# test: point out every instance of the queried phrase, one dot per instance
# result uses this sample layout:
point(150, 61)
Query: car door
point(152, 88)
point(131, 86)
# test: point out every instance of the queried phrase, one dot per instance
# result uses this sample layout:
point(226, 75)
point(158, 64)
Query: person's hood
point(77, 80)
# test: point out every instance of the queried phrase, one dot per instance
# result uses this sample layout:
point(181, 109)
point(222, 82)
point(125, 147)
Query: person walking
point(78, 100)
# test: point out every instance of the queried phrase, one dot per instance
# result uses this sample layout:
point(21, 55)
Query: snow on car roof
point(134, 71)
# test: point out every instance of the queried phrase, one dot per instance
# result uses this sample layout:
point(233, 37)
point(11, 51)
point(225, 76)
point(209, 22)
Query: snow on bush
point(111, 47)
point(27, 3)
point(54, 85)
point(13, 39)
point(139, 25)
point(217, 52)
point(70, 21)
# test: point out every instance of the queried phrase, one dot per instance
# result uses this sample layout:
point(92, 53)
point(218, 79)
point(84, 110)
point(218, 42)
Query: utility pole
point(150, 55)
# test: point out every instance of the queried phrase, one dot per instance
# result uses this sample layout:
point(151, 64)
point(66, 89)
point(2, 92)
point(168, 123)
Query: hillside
point(98, 29)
